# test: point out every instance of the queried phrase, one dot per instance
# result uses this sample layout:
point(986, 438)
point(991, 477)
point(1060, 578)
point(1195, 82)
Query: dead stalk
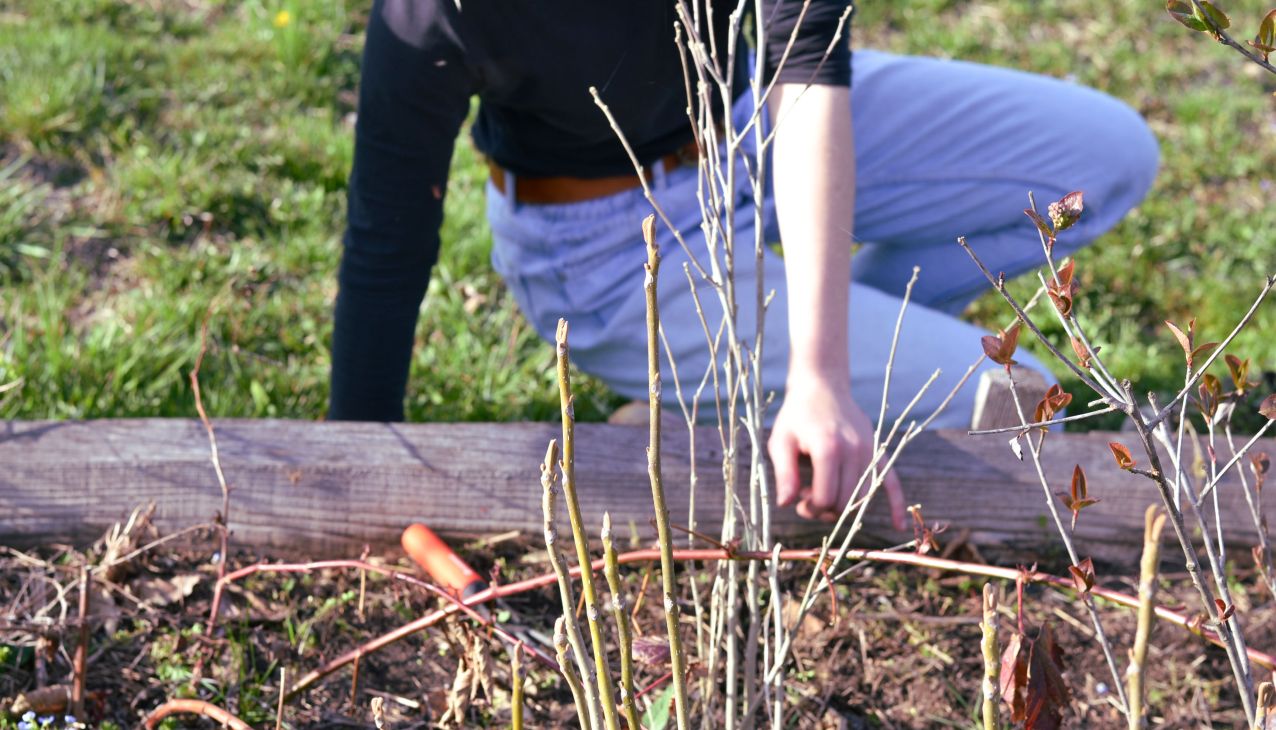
point(1134, 674)
point(665, 536)
point(279, 709)
point(992, 657)
point(81, 648)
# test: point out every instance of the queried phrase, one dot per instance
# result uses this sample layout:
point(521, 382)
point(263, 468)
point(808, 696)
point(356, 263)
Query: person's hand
point(828, 426)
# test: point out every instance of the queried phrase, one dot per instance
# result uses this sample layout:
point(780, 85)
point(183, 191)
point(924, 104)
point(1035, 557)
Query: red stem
point(193, 707)
point(653, 554)
point(396, 575)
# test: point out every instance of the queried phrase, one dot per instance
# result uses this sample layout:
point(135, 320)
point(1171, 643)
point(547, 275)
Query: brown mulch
point(902, 652)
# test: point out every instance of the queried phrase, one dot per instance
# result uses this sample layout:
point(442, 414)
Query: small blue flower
point(46, 721)
point(24, 725)
point(68, 719)
point(29, 716)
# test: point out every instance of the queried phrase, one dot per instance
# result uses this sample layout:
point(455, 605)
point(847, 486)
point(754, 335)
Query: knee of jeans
point(1125, 157)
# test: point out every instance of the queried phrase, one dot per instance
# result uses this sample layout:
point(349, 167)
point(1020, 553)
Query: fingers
point(783, 449)
point(827, 455)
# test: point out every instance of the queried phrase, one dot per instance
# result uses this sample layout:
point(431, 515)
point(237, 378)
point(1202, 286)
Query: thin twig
point(223, 520)
point(1226, 39)
point(279, 708)
point(1000, 287)
point(1043, 424)
point(1196, 375)
point(81, 647)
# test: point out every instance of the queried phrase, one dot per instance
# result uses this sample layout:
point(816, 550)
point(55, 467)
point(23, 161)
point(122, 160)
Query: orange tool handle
point(438, 560)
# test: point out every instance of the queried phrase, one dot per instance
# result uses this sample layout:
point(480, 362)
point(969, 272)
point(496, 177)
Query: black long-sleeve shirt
point(531, 63)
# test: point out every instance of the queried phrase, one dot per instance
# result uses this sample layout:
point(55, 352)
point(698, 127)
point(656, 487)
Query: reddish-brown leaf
point(1224, 611)
point(1042, 226)
point(1001, 348)
point(1203, 350)
point(1014, 676)
point(1185, 340)
point(1065, 211)
point(652, 650)
point(1082, 355)
point(1046, 694)
point(1058, 398)
point(1062, 302)
point(1183, 12)
point(1268, 407)
point(1079, 499)
point(1260, 463)
point(1122, 454)
point(1065, 276)
point(1239, 370)
point(1211, 391)
point(1265, 40)
point(1063, 289)
point(1083, 575)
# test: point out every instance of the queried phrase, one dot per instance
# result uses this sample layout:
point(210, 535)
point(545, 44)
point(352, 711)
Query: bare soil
point(898, 649)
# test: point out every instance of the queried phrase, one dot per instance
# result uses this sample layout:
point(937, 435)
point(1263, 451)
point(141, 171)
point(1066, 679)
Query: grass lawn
point(164, 160)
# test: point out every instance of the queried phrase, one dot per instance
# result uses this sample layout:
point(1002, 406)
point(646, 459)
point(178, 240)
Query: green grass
point(164, 161)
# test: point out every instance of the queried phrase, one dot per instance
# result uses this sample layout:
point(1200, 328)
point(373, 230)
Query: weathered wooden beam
point(327, 488)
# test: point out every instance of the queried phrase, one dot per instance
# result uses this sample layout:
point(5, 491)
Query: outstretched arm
point(815, 201)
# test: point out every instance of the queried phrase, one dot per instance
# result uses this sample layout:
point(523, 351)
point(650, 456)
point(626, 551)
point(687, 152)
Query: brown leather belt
point(558, 190)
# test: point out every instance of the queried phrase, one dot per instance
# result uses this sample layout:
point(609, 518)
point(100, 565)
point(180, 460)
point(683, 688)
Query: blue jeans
point(943, 148)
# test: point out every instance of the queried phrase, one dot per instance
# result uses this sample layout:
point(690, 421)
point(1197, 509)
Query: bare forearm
point(815, 200)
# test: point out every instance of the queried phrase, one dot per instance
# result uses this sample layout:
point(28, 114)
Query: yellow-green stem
point(516, 687)
point(569, 672)
point(992, 658)
point(626, 637)
point(665, 537)
point(589, 711)
point(1154, 522)
point(568, 467)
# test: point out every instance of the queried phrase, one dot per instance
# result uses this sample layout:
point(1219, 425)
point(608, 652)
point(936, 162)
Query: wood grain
point(327, 488)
